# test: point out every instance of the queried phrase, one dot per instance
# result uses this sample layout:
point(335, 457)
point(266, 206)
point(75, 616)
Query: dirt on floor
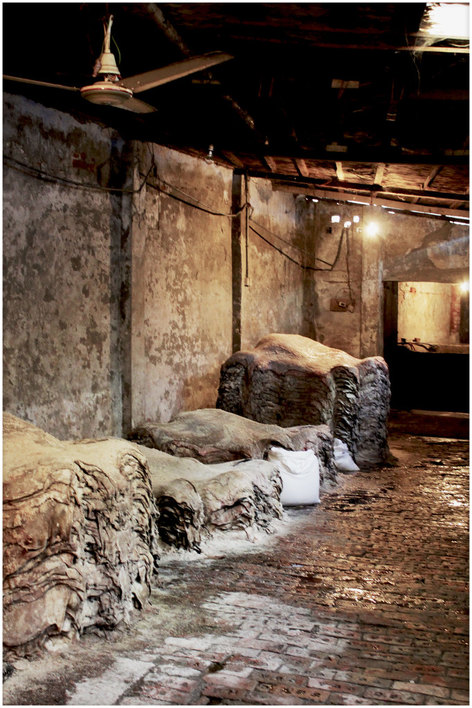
point(360, 599)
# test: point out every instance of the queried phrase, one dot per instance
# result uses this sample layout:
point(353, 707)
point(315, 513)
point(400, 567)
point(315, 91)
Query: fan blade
point(137, 106)
point(40, 83)
point(150, 79)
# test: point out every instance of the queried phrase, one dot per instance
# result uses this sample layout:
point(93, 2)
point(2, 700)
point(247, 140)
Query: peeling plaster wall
point(181, 287)
point(58, 310)
point(275, 298)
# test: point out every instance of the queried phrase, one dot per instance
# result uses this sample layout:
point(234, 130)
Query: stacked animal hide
point(77, 532)
point(210, 436)
point(291, 380)
point(196, 499)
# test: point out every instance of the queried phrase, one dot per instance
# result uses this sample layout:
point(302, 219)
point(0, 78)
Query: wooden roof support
point(339, 171)
point(432, 175)
point(379, 173)
point(301, 167)
point(232, 159)
point(365, 200)
point(270, 162)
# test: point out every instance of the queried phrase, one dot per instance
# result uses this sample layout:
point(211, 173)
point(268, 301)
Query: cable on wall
point(196, 204)
point(65, 181)
point(302, 265)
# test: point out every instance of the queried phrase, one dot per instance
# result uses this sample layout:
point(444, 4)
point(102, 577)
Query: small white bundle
point(300, 473)
point(342, 457)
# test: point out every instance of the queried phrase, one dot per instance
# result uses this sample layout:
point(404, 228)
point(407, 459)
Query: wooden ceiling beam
point(232, 159)
point(339, 171)
point(270, 162)
point(365, 201)
point(432, 176)
point(379, 173)
point(367, 190)
point(375, 156)
point(301, 167)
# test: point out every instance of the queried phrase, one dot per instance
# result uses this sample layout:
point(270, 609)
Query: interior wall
point(118, 305)
point(338, 259)
point(424, 312)
point(273, 284)
point(181, 288)
point(59, 310)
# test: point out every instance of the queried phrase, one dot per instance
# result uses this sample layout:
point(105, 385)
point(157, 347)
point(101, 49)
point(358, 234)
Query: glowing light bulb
point(464, 286)
point(356, 219)
point(372, 229)
point(347, 224)
point(335, 219)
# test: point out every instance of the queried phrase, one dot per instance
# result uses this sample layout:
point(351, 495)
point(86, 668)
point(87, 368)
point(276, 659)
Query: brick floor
point(360, 600)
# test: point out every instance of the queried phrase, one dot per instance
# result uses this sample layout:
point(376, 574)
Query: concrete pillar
point(236, 261)
point(371, 334)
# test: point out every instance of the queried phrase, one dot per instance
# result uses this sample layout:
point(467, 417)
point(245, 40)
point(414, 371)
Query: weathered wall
point(181, 289)
point(407, 248)
point(59, 313)
point(273, 295)
point(425, 250)
point(339, 263)
point(119, 307)
point(424, 312)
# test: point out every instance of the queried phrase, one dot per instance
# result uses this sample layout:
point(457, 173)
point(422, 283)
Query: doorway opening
point(426, 345)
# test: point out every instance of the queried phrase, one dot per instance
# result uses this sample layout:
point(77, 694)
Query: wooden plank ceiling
point(336, 100)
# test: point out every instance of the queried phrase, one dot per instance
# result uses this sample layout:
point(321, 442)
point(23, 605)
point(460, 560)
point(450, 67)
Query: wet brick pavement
point(360, 600)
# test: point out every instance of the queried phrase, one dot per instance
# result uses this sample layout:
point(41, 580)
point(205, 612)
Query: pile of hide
point(291, 380)
point(78, 535)
point(194, 499)
point(211, 435)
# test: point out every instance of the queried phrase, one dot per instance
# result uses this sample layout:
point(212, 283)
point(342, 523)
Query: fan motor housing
point(106, 93)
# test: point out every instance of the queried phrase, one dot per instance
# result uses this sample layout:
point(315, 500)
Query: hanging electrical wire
point(66, 181)
point(194, 203)
point(302, 265)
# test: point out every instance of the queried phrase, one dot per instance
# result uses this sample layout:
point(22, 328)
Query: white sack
point(342, 457)
point(300, 473)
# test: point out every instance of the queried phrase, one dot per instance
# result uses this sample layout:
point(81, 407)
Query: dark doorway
point(425, 325)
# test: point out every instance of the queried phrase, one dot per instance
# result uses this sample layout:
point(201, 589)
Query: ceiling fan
point(112, 90)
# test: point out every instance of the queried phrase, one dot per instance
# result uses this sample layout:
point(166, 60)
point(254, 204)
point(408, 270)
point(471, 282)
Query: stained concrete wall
point(273, 294)
point(338, 259)
point(58, 307)
point(119, 307)
point(181, 285)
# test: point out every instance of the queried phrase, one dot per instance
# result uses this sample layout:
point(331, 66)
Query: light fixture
point(335, 219)
point(445, 19)
point(209, 156)
point(347, 224)
point(372, 229)
point(315, 200)
point(464, 286)
point(356, 219)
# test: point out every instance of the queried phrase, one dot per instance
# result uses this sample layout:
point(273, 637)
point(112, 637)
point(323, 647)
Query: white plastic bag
point(342, 457)
point(300, 474)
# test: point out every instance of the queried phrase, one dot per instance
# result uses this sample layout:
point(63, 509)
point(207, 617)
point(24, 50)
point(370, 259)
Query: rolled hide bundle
point(196, 499)
point(211, 435)
point(78, 535)
point(290, 380)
